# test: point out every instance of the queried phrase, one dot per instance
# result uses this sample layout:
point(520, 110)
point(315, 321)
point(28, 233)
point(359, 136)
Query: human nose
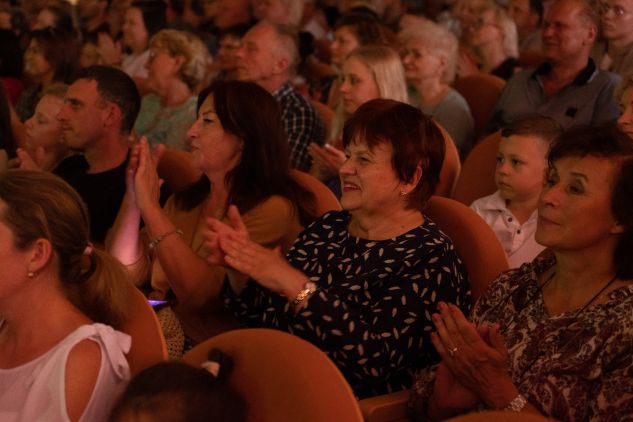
point(344, 88)
point(550, 195)
point(62, 114)
point(239, 52)
point(193, 131)
point(626, 118)
point(347, 167)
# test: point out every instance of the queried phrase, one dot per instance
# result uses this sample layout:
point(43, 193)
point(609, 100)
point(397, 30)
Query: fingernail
point(441, 306)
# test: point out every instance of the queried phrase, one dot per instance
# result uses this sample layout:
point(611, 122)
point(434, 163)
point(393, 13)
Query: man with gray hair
point(268, 56)
point(567, 87)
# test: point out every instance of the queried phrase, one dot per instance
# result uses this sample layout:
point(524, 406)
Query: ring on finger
point(452, 351)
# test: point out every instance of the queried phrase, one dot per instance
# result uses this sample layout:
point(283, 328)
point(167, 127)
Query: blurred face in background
point(345, 40)
point(35, 64)
point(358, 85)
point(135, 33)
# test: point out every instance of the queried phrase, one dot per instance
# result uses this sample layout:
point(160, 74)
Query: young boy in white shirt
point(520, 172)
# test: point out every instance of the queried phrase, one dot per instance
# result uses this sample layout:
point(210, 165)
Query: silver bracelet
point(517, 404)
point(153, 244)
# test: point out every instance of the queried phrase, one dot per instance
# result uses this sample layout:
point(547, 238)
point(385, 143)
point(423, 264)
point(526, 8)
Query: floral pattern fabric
point(575, 366)
point(372, 311)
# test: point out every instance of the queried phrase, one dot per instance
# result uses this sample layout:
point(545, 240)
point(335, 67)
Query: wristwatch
point(307, 290)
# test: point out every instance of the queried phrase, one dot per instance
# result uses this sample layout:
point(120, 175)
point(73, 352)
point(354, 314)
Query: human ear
point(617, 228)
point(415, 179)
point(40, 252)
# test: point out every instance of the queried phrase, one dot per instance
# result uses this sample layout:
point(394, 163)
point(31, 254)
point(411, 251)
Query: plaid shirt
point(301, 123)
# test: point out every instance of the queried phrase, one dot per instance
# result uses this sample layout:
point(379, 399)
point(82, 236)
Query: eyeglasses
point(618, 10)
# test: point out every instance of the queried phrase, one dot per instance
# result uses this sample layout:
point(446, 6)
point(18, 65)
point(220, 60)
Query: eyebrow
point(579, 175)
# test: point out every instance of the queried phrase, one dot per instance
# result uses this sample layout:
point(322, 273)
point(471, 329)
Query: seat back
point(481, 91)
point(148, 343)
point(324, 198)
point(477, 178)
point(451, 167)
point(282, 377)
point(500, 416)
point(475, 242)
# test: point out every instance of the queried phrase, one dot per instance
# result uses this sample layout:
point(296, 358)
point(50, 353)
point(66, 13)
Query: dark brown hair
point(416, 140)
point(537, 125)
point(250, 113)
point(61, 49)
point(607, 142)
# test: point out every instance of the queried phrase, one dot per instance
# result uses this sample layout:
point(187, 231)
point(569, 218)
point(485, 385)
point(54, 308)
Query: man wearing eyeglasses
point(616, 54)
point(567, 86)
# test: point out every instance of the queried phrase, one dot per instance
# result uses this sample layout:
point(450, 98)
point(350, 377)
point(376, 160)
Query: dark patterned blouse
point(372, 311)
point(575, 366)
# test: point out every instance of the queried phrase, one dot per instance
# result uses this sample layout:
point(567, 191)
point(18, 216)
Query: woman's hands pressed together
point(474, 362)
point(143, 183)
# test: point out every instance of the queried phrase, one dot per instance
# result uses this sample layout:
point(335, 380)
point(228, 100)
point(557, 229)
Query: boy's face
point(521, 165)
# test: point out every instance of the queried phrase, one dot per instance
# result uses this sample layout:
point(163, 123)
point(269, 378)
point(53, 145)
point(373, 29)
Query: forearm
point(192, 280)
point(123, 240)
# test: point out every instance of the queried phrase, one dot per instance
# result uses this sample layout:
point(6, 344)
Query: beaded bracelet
point(517, 404)
point(153, 244)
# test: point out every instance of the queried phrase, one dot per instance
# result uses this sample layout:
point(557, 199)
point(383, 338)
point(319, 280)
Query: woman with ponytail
point(60, 358)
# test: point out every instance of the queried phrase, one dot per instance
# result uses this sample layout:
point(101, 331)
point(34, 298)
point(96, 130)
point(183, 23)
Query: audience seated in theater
point(56, 14)
point(51, 57)
point(528, 16)
point(143, 19)
point(283, 12)
point(268, 56)
point(177, 68)
point(351, 31)
point(360, 283)
point(44, 138)
point(7, 140)
point(92, 18)
point(430, 57)
point(568, 86)
point(369, 72)
point(225, 62)
point(615, 53)
point(99, 110)
point(494, 41)
point(59, 299)
point(625, 97)
point(178, 392)
point(552, 337)
point(519, 176)
point(238, 143)
point(11, 61)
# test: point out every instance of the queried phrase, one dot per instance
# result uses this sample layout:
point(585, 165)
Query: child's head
point(178, 392)
point(522, 156)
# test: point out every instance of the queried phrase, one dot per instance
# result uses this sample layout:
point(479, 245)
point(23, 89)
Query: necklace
point(574, 318)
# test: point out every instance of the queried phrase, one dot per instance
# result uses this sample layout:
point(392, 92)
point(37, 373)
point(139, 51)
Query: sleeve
point(272, 221)
point(606, 107)
point(612, 398)
point(391, 331)
point(303, 126)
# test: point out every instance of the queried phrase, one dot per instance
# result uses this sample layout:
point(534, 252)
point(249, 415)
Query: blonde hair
point(40, 205)
point(193, 71)
point(386, 68)
point(439, 41)
point(509, 29)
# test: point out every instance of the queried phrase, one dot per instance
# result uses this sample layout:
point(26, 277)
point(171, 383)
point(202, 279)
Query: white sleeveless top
point(35, 391)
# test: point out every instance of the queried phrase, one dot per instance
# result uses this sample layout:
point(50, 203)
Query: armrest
point(390, 407)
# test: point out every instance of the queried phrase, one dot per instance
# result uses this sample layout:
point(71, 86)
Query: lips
point(348, 187)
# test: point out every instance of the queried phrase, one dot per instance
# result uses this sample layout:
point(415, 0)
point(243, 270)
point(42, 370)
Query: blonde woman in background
point(495, 41)
point(368, 72)
point(430, 61)
point(177, 68)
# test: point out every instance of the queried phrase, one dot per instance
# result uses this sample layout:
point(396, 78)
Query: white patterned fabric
point(372, 311)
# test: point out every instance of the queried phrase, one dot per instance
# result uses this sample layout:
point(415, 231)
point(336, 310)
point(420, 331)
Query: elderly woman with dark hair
point(553, 336)
point(359, 283)
point(239, 145)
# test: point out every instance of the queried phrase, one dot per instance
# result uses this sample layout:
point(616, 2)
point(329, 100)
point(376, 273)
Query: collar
point(582, 78)
point(283, 90)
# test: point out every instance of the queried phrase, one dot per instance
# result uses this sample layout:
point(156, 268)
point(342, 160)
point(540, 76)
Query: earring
point(30, 274)
point(403, 193)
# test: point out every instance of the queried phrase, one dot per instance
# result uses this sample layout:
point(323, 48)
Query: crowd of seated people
point(162, 146)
